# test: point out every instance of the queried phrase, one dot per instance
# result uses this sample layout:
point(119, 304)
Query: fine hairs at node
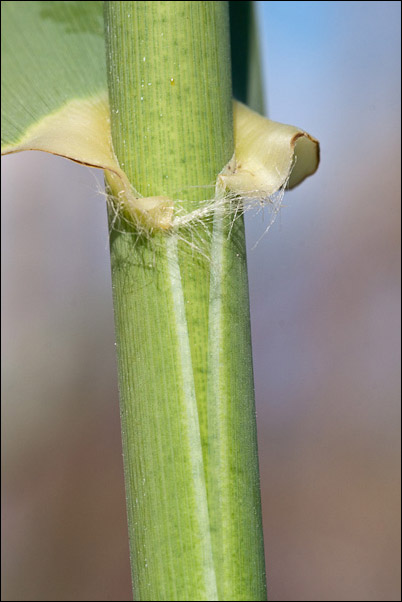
point(194, 227)
point(268, 158)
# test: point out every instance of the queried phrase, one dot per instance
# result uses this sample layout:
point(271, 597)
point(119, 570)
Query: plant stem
point(182, 321)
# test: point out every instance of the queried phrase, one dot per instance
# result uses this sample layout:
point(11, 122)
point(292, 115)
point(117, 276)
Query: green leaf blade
point(52, 53)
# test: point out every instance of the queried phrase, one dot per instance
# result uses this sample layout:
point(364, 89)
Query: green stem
point(182, 322)
point(233, 476)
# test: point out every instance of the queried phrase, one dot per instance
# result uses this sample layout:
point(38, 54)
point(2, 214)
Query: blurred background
point(325, 295)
